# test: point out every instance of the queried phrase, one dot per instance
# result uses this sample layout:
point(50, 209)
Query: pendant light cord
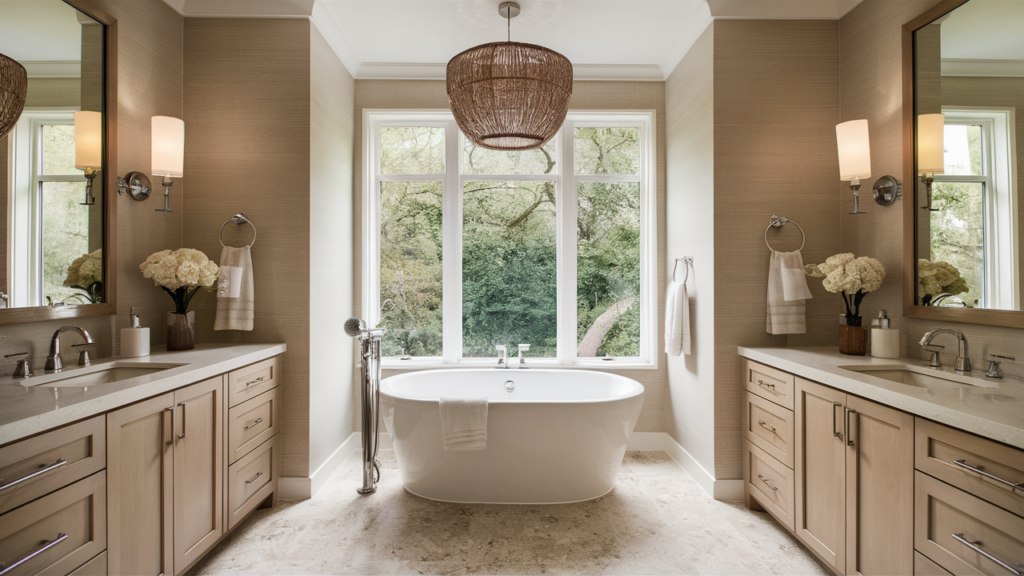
point(508, 19)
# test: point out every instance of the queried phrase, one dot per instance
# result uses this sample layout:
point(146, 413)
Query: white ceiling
point(604, 39)
point(40, 31)
point(985, 30)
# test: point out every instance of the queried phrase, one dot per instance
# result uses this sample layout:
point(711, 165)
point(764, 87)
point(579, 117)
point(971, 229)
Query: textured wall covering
point(690, 173)
point(149, 83)
point(247, 149)
point(430, 94)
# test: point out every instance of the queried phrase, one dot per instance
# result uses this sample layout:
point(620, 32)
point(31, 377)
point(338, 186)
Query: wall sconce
point(168, 156)
point(854, 156)
point(89, 149)
point(930, 152)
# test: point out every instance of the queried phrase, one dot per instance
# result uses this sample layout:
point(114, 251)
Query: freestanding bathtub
point(552, 435)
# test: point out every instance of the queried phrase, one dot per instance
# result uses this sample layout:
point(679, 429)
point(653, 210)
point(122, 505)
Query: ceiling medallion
point(509, 95)
point(13, 88)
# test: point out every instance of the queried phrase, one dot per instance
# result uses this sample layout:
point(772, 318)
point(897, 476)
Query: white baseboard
point(725, 490)
point(299, 488)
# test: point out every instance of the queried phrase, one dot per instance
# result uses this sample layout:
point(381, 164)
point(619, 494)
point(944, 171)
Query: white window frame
point(1000, 212)
point(566, 182)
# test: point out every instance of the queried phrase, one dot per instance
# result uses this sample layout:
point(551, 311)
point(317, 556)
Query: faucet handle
point(501, 347)
point(994, 360)
point(933, 361)
point(524, 348)
point(22, 370)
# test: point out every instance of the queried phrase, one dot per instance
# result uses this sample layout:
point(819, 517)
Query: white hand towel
point(464, 423)
point(787, 292)
point(235, 292)
point(677, 320)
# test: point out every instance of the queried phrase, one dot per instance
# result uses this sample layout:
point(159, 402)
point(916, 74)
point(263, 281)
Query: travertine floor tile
point(656, 521)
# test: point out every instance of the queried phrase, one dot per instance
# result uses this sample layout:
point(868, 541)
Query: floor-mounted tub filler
point(553, 436)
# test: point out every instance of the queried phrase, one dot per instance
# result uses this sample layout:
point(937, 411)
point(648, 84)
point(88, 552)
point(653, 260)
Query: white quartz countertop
point(995, 411)
point(29, 406)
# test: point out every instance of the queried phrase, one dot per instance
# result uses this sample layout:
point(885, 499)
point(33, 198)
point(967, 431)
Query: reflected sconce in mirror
point(13, 90)
point(89, 149)
point(854, 156)
point(930, 152)
point(168, 153)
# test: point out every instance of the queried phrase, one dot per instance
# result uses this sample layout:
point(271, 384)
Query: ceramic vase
point(853, 338)
point(181, 331)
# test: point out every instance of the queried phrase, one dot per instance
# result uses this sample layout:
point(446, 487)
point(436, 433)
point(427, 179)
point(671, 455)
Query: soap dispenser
point(885, 341)
point(134, 340)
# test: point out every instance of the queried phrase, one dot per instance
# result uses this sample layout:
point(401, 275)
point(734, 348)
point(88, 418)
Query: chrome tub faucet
point(53, 360)
point(963, 358)
point(503, 359)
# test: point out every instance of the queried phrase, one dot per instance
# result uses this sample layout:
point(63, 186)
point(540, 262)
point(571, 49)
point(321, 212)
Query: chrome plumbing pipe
point(369, 351)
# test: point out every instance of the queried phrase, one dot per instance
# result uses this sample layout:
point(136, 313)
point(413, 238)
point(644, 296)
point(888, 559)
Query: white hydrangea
point(184, 267)
point(845, 273)
point(85, 271)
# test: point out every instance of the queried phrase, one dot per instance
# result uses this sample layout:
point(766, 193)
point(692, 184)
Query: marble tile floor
point(656, 521)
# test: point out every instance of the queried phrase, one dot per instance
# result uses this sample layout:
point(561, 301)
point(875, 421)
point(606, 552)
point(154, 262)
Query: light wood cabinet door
point(198, 470)
point(140, 465)
point(821, 472)
point(879, 489)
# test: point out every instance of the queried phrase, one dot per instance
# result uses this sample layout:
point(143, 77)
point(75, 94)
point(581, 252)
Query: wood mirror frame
point(109, 304)
point(1009, 318)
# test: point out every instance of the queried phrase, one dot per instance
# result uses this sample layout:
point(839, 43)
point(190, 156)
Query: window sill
point(614, 365)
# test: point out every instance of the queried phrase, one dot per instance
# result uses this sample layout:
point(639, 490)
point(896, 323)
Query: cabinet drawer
point(943, 512)
point(923, 566)
point(769, 383)
point(253, 380)
point(769, 482)
point(769, 427)
point(252, 422)
point(95, 567)
point(57, 533)
point(938, 449)
point(57, 459)
point(251, 480)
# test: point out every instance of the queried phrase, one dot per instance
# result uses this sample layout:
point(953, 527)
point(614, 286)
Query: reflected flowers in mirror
point(939, 283)
point(86, 274)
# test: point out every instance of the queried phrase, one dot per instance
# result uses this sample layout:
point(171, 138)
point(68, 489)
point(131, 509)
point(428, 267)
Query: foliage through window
point(469, 248)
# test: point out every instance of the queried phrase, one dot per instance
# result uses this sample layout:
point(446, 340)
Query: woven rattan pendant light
point(509, 95)
point(13, 88)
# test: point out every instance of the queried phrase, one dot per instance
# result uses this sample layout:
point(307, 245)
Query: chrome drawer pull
point(766, 385)
point(977, 549)
point(258, 474)
point(764, 425)
point(1013, 485)
point(53, 466)
point(6, 569)
point(767, 481)
point(256, 381)
point(253, 425)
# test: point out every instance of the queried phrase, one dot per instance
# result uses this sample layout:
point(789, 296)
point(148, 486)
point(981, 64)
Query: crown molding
point(580, 72)
point(242, 8)
point(698, 23)
point(781, 9)
point(53, 68)
point(994, 68)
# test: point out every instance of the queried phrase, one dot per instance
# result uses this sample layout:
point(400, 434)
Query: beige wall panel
point(53, 93)
point(247, 114)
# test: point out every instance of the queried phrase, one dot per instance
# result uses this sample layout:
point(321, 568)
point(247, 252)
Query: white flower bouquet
point(181, 273)
point(86, 274)
point(851, 277)
point(938, 280)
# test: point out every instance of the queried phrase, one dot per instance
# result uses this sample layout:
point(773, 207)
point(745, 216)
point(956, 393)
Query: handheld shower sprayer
point(369, 349)
point(354, 327)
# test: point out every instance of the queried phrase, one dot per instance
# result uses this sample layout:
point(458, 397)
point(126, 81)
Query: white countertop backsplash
point(995, 412)
point(26, 410)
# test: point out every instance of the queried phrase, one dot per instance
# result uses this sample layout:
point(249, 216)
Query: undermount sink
point(920, 376)
point(96, 375)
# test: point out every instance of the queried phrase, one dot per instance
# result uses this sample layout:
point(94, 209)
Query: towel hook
point(237, 219)
point(687, 262)
point(777, 222)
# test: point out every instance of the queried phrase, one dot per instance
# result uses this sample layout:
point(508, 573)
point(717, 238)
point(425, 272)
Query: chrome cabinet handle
point(253, 425)
point(258, 474)
point(182, 435)
point(849, 429)
point(1013, 485)
point(60, 538)
point(972, 546)
point(766, 385)
point(171, 410)
point(51, 467)
point(256, 381)
point(836, 433)
point(764, 425)
point(767, 482)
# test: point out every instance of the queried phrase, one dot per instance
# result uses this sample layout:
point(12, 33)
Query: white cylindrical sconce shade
point(88, 140)
point(930, 152)
point(854, 150)
point(168, 147)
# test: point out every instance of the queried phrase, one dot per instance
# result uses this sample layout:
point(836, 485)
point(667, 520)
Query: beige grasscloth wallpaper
point(431, 94)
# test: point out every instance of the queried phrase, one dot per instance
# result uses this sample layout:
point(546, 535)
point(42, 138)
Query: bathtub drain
point(509, 386)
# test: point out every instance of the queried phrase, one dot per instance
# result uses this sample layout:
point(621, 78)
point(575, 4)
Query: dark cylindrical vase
point(181, 331)
point(853, 338)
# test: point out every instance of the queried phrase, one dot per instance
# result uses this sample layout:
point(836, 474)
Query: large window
point(469, 248)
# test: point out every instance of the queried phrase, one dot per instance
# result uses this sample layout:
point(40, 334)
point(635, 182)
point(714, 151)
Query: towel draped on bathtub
point(464, 423)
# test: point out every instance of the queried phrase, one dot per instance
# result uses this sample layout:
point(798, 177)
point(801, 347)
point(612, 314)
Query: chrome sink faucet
point(963, 358)
point(53, 360)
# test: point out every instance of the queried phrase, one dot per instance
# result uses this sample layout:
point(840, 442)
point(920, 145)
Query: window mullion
point(567, 207)
point(452, 248)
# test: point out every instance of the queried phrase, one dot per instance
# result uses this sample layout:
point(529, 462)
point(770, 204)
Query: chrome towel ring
point(237, 219)
point(687, 262)
point(777, 222)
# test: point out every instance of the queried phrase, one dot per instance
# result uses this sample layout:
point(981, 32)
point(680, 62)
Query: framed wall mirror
point(964, 152)
point(57, 173)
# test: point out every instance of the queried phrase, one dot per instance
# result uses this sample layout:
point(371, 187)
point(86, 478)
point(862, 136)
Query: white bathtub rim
point(609, 491)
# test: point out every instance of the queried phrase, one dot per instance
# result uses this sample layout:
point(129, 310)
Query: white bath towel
point(235, 292)
point(787, 292)
point(464, 423)
point(677, 320)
